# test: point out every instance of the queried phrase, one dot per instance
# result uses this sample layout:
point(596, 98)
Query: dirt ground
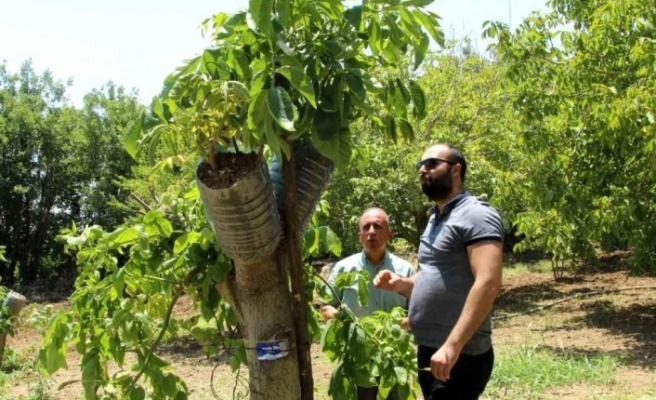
point(600, 317)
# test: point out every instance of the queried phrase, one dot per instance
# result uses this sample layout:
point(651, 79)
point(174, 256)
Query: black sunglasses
point(431, 163)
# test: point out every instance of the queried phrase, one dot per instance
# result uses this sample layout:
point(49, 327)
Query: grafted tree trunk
point(260, 297)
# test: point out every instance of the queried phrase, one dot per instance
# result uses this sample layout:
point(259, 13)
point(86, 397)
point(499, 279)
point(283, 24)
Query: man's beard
point(438, 188)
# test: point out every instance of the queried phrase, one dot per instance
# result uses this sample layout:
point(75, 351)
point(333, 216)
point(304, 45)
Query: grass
point(529, 372)
point(519, 268)
point(17, 367)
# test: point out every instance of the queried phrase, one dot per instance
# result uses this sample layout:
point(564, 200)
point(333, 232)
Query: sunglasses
point(431, 163)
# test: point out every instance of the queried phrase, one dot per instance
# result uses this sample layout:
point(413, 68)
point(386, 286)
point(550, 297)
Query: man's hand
point(443, 360)
point(386, 280)
point(327, 312)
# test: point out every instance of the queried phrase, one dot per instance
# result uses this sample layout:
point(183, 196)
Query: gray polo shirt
point(378, 299)
point(445, 276)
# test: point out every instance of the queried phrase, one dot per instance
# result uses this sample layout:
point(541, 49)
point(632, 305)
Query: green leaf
point(237, 60)
point(329, 341)
point(363, 291)
point(292, 69)
point(421, 50)
point(234, 363)
point(354, 16)
point(417, 3)
point(390, 127)
point(137, 393)
point(260, 75)
point(338, 147)
point(418, 100)
point(185, 240)
point(91, 378)
point(283, 9)
point(310, 241)
point(356, 84)
point(430, 23)
point(170, 385)
point(375, 37)
point(164, 226)
point(330, 241)
point(131, 138)
point(281, 107)
point(261, 11)
point(401, 375)
point(122, 236)
point(327, 124)
point(406, 129)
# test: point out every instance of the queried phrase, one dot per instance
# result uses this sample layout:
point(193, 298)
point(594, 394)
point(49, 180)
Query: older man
point(460, 258)
point(374, 233)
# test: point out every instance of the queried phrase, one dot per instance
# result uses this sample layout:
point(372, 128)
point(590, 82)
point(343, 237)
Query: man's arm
point(486, 261)
point(329, 309)
point(387, 280)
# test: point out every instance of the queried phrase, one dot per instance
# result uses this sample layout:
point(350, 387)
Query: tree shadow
point(617, 261)
point(636, 323)
point(525, 298)
point(188, 348)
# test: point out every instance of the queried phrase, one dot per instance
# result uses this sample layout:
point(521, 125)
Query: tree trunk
point(299, 300)
point(260, 297)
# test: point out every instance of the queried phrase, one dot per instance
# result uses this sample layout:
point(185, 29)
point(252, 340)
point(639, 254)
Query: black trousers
point(469, 376)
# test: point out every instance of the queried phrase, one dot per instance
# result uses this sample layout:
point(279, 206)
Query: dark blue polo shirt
point(445, 276)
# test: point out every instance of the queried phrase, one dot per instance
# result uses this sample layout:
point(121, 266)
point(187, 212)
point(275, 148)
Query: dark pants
point(469, 376)
point(371, 393)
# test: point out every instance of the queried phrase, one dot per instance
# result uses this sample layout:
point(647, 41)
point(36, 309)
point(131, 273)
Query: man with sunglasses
point(374, 233)
point(451, 297)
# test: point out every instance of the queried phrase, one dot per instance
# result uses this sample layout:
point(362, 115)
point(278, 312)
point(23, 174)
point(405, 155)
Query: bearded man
point(451, 297)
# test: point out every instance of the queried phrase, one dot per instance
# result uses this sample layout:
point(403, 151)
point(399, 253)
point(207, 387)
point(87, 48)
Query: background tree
point(469, 108)
point(582, 80)
point(58, 165)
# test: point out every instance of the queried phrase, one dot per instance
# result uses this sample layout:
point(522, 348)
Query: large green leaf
point(356, 84)
point(390, 127)
point(421, 49)
point(406, 129)
point(261, 11)
point(330, 241)
point(338, 147)
point(281, 107)
point(292, 69)
point(185, 240)
point(418, 100)
point(354, 16)
point(430, 22)
point(91, 371)
point(284, 11)
point(258, 113)
point(131, 138)
point(327, 124)
point(260, 75)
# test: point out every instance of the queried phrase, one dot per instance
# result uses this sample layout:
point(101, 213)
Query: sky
point(137, 43)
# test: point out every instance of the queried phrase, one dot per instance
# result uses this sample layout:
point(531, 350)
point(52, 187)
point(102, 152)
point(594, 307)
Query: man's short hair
point(456, 156)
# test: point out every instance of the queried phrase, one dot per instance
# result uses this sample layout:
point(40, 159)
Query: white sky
point(136, 43)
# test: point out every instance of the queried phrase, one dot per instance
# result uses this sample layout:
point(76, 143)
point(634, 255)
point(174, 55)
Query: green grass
point(542, 267)
point(528, 372)
point(17, 367)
